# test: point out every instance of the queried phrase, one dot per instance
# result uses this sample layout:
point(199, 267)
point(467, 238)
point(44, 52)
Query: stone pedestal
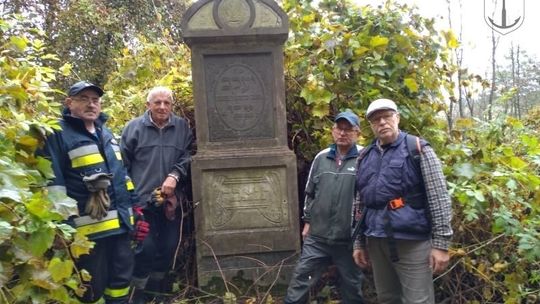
point(244, 174)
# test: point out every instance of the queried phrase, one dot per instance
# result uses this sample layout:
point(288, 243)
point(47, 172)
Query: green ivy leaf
point(63, 204)
point(499, 225)
point(464, 170)
point(42, 278)
point(12, 194)
point(41, 240)
point(479, 196)
point(18, 42)
point(41, 208)
point(5, 231)
point(516, 162)
point(511, 184)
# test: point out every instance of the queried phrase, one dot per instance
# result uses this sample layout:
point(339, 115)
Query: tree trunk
point(493, 72)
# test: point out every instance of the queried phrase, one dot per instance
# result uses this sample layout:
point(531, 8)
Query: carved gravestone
point(244, 174)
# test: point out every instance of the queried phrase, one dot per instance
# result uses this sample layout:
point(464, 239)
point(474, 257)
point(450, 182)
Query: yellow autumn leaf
point(60, 269)
point(360, 50)
point(377, 41)
point(81, 245)
point(451, 40)
point(411, 84)
point(28, 141)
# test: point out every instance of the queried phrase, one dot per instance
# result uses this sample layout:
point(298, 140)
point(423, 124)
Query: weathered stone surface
point(244, 175)
point(239, 96)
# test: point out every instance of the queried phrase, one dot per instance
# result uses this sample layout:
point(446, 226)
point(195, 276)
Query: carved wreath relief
point(251, 199)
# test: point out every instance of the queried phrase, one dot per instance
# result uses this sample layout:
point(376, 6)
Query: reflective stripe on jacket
point(390, 174)
point(75, 153)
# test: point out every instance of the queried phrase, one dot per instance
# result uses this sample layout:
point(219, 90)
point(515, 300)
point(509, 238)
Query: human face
point(384, 124)
point(86, 105)
point(160, 106)
point(345, 135)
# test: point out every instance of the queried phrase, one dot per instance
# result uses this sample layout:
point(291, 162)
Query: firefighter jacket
point(75, 153)
point(387, 174)
point(329, 196)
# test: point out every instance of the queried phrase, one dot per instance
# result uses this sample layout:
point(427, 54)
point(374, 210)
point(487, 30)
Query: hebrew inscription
point(234, 13)
point(239, 103)
point(246, 199)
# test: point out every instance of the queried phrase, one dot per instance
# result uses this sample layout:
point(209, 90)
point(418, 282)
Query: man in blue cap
point(328, 202)
point(88, 167)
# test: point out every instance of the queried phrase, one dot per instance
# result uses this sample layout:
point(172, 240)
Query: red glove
point(142, 227)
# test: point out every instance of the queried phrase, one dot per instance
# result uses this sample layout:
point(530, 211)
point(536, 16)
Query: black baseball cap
point(83, 85)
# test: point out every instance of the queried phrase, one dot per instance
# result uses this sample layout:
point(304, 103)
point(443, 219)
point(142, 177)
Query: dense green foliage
point(153, 63)
point(342, 56)
point(338, 56)
point(90, 34)
point(493, 174)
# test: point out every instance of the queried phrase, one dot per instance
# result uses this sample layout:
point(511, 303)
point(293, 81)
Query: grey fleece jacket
point(150, 153)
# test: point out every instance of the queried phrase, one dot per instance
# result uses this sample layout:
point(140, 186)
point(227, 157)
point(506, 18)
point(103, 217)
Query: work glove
point(156, 197)
point(170, 203)
point(99, 201)
point(142, 227)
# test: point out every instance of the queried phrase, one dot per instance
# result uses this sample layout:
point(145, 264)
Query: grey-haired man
point(405, 210)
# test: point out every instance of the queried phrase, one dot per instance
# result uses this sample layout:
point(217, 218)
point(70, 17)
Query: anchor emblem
point(504, 28)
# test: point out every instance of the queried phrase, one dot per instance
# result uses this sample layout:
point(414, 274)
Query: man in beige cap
point(405, 210)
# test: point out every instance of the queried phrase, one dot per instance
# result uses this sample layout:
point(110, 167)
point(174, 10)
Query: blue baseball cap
point(349, 116)
point(83, 85)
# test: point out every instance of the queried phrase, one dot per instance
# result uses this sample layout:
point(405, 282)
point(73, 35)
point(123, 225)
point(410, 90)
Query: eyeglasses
point(384, 116)
point(347, 131)
point(88, 100)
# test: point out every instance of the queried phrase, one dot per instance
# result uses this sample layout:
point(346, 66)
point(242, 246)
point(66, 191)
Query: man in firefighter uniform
point(88, 167)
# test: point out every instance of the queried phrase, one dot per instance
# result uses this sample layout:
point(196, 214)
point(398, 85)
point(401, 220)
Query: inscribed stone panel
point(239, 96)
point(252, 199)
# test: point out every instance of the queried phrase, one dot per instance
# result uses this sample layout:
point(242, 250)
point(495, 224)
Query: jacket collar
point(397, 142)
point(147, 120)
point(99, 122)
point(353, 152)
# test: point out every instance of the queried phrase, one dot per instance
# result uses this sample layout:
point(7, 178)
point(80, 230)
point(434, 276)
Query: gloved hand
point(99, 202)
point(142, 227)
point(157, 198)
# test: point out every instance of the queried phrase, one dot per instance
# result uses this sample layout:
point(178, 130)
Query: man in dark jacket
point(327, 215)
point(88, 167)
point(156, 148)
point(406, 211)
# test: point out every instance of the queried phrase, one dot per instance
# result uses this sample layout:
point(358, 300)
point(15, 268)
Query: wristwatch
point(176, 177)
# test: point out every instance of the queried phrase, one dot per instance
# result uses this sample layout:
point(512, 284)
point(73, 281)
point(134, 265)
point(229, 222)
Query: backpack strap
point(361, 155)
point(414, 148)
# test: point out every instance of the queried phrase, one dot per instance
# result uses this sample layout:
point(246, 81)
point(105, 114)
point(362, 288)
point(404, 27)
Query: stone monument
point(244, 174)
